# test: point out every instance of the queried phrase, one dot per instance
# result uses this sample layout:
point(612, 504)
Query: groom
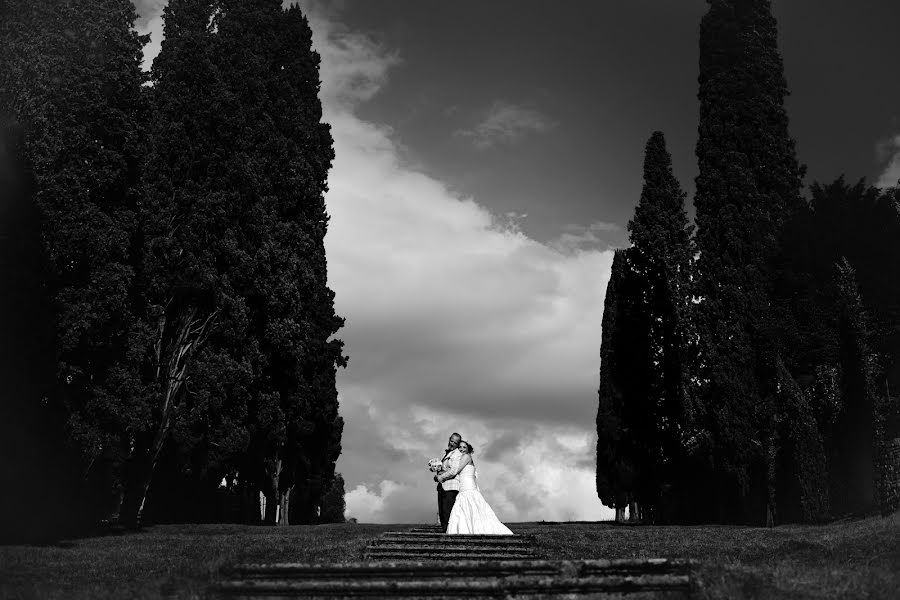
point(448, 490)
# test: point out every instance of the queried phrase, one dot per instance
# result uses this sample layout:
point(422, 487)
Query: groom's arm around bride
point(447, 490)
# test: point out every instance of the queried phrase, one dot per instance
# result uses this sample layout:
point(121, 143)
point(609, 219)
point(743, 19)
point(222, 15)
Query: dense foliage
point(176, 238)
point(747, 189)
point(783, 405)
point(615, 469)
point(644, 405)
point(70, 79)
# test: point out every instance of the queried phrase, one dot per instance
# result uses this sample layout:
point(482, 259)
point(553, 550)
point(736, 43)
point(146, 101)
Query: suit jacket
point(451, 467)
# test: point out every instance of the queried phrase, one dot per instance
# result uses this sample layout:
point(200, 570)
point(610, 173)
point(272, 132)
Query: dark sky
point(606, 74)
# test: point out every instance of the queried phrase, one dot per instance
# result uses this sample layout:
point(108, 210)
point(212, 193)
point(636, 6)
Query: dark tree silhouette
point(856, 226)
point(798, 473)
point(623, 354)
point(661, 258)
point(857, 441)
point(333, 503)
point(747, 188)
point(235, 269)
point(286, 152)
point(193, 253)
point(70, 77)
point(30, 451)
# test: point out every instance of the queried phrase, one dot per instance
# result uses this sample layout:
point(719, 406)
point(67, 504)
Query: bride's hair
point(471, 447)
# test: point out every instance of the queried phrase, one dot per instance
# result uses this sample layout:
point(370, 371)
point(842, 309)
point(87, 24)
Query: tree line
point(750, 365)
point(168, 330)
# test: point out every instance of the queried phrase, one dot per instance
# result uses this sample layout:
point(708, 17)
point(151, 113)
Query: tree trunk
point(139, 475)
point(284, 503)
point(189, 335)
point(275, 512)
point(271, 506)
point(620, 514)
point(634, 510)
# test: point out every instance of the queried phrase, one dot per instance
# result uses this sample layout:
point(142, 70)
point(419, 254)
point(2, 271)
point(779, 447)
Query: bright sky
point(488, 158)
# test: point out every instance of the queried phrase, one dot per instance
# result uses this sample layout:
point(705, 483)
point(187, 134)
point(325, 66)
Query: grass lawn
point(174, 561)
point(848, 559)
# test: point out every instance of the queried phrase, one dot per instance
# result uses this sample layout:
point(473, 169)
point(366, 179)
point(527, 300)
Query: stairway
point(431, 544)
point(425, 563)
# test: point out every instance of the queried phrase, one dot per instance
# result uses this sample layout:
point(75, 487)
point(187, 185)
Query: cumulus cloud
point(506, 123)
point(455, 321)
point(889, 155)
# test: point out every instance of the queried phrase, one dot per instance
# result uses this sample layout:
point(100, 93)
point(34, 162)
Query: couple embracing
point(462, 508)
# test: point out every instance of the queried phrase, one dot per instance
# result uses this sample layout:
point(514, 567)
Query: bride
point(471, 513)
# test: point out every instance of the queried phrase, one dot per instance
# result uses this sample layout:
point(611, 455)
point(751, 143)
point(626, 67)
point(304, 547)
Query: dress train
point(471, 514)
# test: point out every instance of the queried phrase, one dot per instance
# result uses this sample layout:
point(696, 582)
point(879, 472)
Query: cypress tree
point(333, 503)
point(661, 253)
point(235, 246)
point(615, 473)
point(286, 153)
point(70, 77)
point(747, 188)
point(193, 325)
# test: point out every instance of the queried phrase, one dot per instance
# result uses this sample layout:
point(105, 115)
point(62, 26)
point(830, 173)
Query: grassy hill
point(847, 559)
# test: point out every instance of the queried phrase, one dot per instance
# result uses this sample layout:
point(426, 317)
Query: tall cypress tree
point(70, 76)
point(615, 472)
point(747, 188)
point(661, 257)
point(193, 326)
point(235, 263)
point(287, 152)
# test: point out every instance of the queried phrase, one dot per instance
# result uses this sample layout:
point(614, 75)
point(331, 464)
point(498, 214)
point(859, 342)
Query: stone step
point(420, 545)
point(426, 563)
point(455, 545)
point(642, 586)
point(445, 556)
point(453, 539)
point(376, 552)
point(466, 568)
point(414, 557)
point(380, 544)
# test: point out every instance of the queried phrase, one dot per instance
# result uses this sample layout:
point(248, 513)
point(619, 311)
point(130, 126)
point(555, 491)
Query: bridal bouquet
point(434, 465)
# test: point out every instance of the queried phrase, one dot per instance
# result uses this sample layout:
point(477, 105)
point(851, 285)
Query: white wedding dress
point(471, 513)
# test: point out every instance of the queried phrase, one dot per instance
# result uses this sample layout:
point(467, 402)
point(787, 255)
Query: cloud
point(455, 321)
point(357, 64)
point(599, 234)
point(889, 154)
point(506, 123)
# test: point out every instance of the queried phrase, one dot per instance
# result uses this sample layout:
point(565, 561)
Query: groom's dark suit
point(448, 490)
